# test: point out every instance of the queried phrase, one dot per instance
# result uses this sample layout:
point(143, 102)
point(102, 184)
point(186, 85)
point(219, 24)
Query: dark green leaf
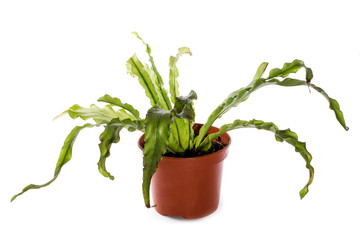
point(156, 142)
point(184, 106)
point(109, 136)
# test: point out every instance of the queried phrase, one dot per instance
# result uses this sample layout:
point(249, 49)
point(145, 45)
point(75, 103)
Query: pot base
point(187, 216)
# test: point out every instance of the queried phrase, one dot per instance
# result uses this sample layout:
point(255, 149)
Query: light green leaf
point(117, 102)
point(174, 73)
point(156, 142)
point(260, 71)
point(65, 156)
point(137, 69)
point(159, 84)
point(96, 113)
point(280, 135)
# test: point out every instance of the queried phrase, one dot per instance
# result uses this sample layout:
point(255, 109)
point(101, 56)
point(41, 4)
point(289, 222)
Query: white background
point(54, 54)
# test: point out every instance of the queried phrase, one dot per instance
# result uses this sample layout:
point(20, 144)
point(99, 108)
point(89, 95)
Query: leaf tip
point(60, 115)
point(13, 198)
point(303, 192)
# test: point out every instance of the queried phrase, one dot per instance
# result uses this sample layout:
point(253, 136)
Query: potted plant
point(182, 159)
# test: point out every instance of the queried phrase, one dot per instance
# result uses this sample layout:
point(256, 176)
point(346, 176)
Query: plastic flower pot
point(189, 187)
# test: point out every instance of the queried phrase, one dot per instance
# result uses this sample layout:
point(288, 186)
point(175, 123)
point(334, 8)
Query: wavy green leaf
point(174, 73)
point(288, 68)
point(156, 142)
point(117, 102)
point(159, 84)
point(109, 136)
point(64, 157)
point(183, 107)
point(280, 135)
point(136, 69)
point(97, 114)
point(236, 97)
point(333, 104)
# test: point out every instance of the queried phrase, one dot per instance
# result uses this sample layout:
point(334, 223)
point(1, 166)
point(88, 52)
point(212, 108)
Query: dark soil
point(216, 146)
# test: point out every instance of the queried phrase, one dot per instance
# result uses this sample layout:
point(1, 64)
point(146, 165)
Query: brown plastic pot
point(189, 187)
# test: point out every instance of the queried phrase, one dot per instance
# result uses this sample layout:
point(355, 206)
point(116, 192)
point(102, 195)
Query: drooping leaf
point(109, 136)
point(159, 84)
point(280, 135)
point(333, 104)
point(97, 114)
point(117, 102)
point(236, 97)
point(174, 73)
point(156, 142)
point(137, 69)
point(64, 157)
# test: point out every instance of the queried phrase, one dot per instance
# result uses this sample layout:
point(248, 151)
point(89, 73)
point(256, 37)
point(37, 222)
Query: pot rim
point(141, 139)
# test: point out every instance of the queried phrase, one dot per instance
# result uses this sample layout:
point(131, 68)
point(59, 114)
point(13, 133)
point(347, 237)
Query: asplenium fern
point(168, 125)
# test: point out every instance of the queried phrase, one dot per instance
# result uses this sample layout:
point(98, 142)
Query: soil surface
point(216, 146)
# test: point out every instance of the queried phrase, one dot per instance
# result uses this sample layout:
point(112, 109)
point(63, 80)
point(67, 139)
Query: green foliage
point(156, 138)
point(168, 125)
point(280, 135)
point(174, 73)
point(65, 156)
